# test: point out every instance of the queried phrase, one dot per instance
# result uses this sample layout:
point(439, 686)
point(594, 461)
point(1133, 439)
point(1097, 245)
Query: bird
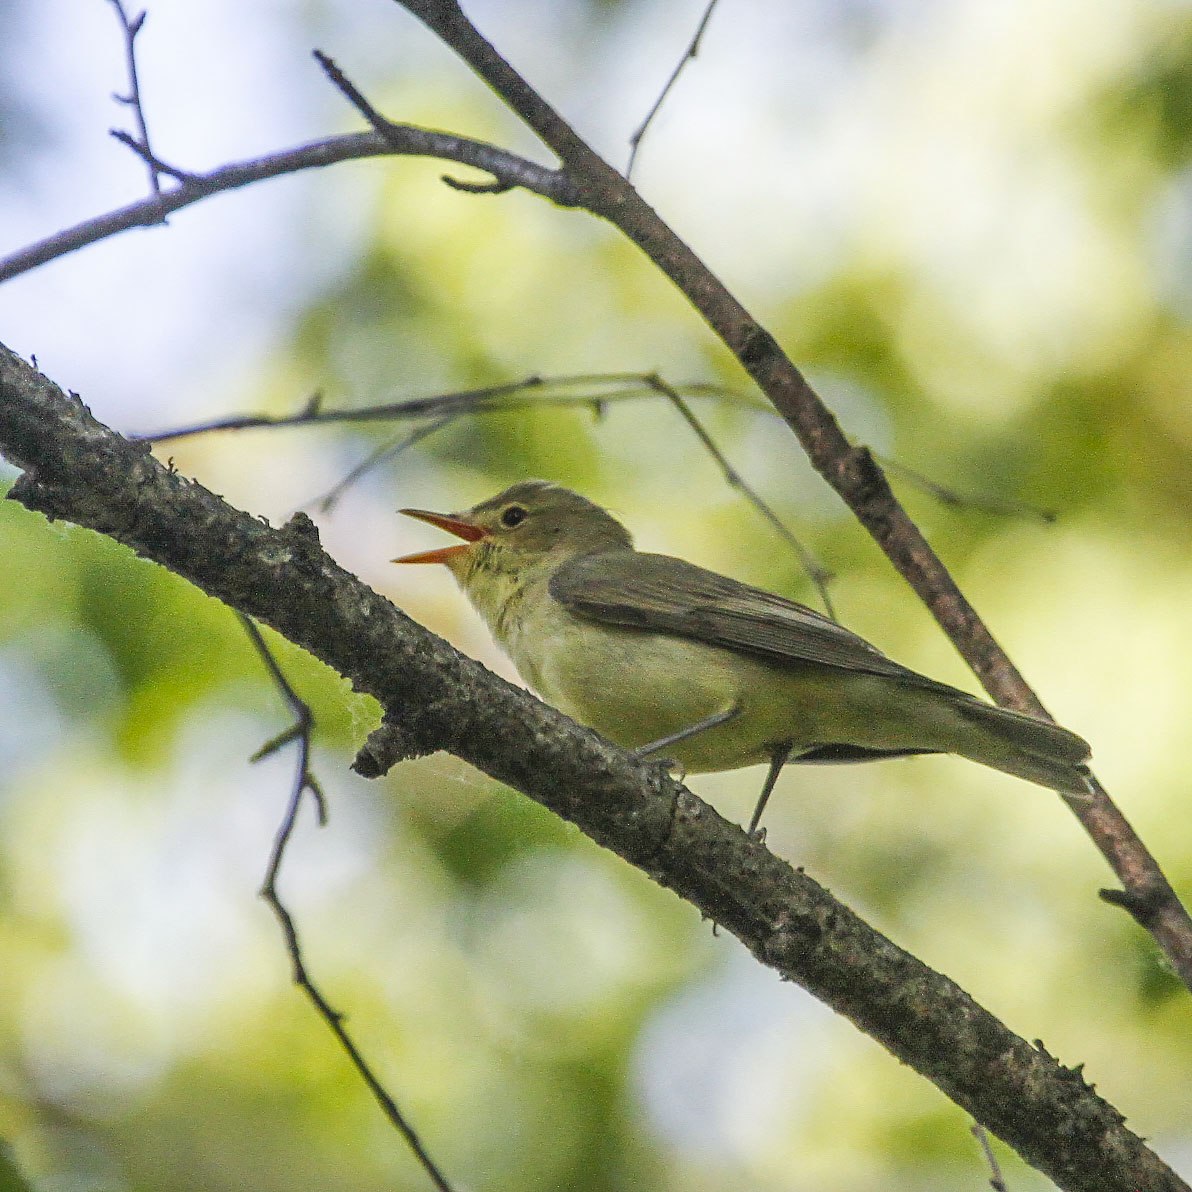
point(668, 659)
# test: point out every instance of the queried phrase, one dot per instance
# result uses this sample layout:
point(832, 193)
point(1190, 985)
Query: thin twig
point(130, 28)
point(464, 401)
point(996, 1180)
point(386, 451)
point(692, 50)
point(305, 781)
point(819, 575)
point(948, 496)
point(496, 399)
point(507, 171)
point(402, 140)
point(155, 163)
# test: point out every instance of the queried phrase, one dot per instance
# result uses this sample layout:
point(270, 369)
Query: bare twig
point(851, 471)
point(131, 27)
point(484, 399)
point(552, 391)
point(498, 399)
point(507, 170)
point(304, 782)
point(689, 56)
point(402, 140)
point(155, 163)
point(814, 570)
point(386, 451)
point(949, 496)
point(996, 1180)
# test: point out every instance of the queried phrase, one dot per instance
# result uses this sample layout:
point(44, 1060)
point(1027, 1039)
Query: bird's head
point(531, 527)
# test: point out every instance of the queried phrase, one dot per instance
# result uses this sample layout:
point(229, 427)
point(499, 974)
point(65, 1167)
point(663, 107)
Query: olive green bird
point(658, 654)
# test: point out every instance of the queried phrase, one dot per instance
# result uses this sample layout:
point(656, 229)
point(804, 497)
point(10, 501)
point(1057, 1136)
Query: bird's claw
point(665, 765)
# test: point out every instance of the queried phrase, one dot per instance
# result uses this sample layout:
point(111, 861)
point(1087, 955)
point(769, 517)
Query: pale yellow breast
point(636, 687)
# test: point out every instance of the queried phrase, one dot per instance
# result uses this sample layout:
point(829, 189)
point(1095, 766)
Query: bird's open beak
point(454, 525)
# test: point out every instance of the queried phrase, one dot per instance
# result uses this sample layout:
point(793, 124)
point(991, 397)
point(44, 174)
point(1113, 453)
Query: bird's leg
point(778, 759)
point(698, 727)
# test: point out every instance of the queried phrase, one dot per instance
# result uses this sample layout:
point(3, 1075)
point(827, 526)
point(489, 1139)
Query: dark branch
point(554, 391)
point(485, 399)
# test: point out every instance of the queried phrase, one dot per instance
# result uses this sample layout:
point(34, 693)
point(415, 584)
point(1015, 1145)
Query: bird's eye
point(513, 516)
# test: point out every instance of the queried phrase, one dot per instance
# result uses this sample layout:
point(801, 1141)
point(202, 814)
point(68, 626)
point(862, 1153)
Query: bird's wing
point(668, 595)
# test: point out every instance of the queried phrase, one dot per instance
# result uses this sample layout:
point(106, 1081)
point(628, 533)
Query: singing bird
point(664, 657)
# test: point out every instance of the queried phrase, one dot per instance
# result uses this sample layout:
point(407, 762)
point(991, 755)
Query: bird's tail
point(1025, 746)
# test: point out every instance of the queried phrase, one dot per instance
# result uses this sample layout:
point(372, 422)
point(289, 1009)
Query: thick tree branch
point(851, 471)
point(434, 698)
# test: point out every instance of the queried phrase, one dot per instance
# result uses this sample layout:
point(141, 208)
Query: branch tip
point(1143, 905)
point(496, 187)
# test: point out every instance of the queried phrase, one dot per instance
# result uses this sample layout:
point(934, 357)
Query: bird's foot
point(665, 765)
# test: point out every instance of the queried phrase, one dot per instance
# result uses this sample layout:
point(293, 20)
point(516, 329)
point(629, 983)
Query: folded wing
point(669, 595)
